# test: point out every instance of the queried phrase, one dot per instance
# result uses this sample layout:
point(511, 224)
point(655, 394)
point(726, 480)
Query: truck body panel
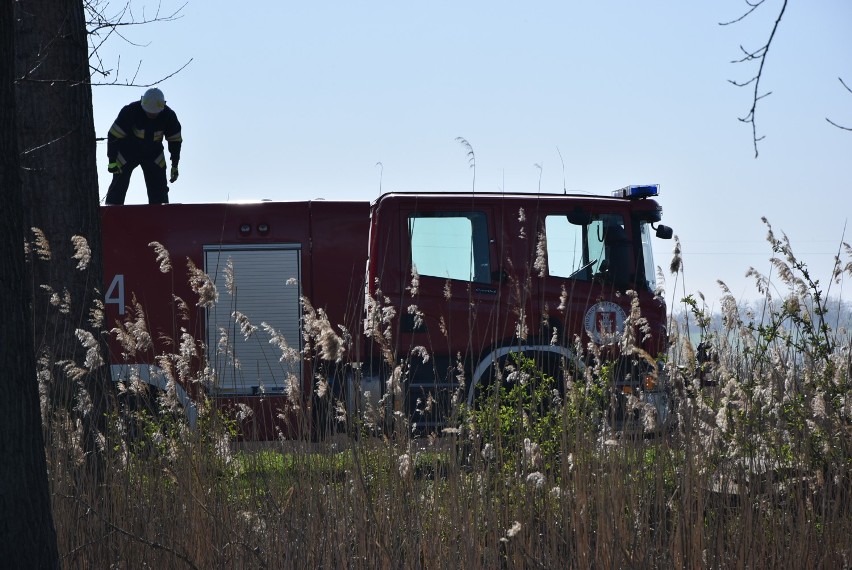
point(274, 250)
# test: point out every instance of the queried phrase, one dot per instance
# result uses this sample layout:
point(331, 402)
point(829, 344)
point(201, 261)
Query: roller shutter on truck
point(267, 289)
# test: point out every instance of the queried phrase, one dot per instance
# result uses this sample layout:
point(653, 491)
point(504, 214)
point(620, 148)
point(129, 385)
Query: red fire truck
point(424, 295)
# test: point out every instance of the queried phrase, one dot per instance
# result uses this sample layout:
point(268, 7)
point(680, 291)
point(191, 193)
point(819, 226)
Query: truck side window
point(599, 249)
point(450, 245)
point(566, 255)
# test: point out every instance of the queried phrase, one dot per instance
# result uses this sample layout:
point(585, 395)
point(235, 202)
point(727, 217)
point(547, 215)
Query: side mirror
point(579, 217)
point(664, 232)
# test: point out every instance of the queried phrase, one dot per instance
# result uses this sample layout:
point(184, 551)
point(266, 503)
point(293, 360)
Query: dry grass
point(754, 474)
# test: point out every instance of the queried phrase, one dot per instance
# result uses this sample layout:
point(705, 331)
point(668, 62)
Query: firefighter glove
point(114, 168)
point(174, 173)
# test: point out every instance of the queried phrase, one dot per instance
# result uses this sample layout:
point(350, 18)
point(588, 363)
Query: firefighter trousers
point(155, 181)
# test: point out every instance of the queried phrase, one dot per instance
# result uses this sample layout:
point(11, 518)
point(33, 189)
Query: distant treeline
point(837, 315)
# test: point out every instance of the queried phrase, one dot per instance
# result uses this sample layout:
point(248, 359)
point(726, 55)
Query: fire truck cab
point(475, 277)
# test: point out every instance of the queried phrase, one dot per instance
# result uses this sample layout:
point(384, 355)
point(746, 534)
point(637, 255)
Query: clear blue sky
point(299, 100)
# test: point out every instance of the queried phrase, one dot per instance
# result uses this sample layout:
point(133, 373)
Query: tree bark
point(27, 534)
point(56, 138)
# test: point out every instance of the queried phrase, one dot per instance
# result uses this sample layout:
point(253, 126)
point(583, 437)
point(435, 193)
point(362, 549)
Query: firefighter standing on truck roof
point(136, 139)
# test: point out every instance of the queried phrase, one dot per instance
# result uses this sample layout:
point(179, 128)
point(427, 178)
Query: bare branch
point(752, 8)
point(133, 83)
point(838, 126)
point(832, 122)
point(41, 146)
point(755, 55)
point(102, 26)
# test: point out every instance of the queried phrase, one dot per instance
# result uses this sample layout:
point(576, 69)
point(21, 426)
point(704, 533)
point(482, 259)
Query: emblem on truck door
point(604, 322)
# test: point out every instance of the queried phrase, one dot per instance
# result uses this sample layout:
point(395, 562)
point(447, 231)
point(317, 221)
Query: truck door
point(590, 262)
point(452, 304)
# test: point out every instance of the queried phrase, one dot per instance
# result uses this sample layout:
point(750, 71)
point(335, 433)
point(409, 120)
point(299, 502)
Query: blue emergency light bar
point(636, 191)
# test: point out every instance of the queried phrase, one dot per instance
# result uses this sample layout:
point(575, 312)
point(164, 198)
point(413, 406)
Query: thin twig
point(758, 54)
point(832, 122)
point(151, 543)
point(149, 84)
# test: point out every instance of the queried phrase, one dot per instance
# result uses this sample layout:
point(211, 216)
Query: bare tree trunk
point(56, 137)
point(27, 534)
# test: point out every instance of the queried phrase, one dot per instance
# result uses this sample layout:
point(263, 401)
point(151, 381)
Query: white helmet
point(153, 101)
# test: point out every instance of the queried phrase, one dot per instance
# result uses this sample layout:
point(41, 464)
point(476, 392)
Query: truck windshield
point(600, 249)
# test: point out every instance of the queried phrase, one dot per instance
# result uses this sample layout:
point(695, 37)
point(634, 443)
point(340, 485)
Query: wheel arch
point(498, 353)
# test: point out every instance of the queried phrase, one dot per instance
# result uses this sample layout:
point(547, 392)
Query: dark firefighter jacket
point(135, 137)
